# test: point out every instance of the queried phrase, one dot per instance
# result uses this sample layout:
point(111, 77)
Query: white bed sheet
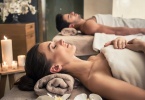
point(83, 43)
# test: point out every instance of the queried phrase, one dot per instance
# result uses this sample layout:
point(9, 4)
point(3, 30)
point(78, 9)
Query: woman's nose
point(61, 42)
point(72, 13)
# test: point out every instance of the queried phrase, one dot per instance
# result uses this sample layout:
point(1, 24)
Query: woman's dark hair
point(60, 22)
point(36, 67)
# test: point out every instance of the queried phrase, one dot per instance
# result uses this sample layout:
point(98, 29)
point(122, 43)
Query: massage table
point(83, 44)
point(16, 94)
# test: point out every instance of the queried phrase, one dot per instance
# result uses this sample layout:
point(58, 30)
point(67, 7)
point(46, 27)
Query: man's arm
point(114, 89)
point(92, 27)
point(136, 45)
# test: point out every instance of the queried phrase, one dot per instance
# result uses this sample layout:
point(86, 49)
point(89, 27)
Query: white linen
point(106, 19)
point(126, 65)
point(101, 38)
point(83, 43)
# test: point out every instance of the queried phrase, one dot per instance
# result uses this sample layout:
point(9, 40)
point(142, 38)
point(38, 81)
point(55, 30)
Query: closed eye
point(54, 47)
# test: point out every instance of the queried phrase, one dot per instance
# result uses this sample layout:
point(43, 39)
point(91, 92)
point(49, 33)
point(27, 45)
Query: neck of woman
point(78, 67)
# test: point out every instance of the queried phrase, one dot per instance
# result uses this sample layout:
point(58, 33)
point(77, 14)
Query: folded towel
point(68, 32)
point(55, 84)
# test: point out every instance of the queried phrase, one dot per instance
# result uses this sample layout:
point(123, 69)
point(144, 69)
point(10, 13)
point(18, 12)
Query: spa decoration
point(7, 52)
point(15, 7)
point(14, 65)
point(4, 66)
point(21, 60)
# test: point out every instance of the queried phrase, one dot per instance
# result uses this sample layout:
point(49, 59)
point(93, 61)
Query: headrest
point(68, 32)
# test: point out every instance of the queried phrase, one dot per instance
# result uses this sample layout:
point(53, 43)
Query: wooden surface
point(22, 35)
point(10, 73)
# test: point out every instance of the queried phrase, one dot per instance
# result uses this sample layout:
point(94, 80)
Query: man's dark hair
point(60, 22)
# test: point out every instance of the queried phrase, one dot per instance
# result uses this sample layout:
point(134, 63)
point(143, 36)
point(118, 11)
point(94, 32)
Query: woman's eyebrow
point(49, 46)
point(68, 16)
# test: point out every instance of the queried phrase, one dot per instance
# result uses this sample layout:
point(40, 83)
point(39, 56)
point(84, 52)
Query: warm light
point(4, 63)
point(5, 37)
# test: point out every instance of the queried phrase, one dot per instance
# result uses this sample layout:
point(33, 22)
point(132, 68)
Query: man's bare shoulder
point(90, 26)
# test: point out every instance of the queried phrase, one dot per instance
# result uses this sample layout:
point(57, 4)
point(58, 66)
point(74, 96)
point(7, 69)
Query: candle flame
point(5, 37)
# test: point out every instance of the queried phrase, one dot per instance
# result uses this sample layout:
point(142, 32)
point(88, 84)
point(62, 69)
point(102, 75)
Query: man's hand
point(136, 45)
point(143, 30)
point(118, 43)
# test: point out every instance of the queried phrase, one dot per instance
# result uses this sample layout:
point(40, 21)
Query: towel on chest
point(126, 65)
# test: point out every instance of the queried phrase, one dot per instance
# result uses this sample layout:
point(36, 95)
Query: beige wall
point(129, 8)
point(92, 7)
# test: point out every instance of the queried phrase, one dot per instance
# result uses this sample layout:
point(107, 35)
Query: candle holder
point(21, 60)
point(14, 65)
point(4, 66)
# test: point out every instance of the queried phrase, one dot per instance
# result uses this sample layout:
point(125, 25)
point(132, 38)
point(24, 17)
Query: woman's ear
point(56, 68)
point(71, 26)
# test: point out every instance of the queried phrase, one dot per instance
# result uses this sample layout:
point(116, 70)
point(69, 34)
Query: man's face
point(72, 17)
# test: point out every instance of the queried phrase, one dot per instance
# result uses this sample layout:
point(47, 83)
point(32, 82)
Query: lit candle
point(21, 60)
point(4, 66)
point(14, 64)
point(7, 54)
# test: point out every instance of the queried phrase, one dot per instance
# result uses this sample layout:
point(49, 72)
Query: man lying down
point(100, 23)
point(104, 74)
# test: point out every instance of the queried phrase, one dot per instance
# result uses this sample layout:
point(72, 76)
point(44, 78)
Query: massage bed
point(83, 43)
point(16, 94)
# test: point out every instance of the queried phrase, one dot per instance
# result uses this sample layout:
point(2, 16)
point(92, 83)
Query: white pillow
point(68, 31)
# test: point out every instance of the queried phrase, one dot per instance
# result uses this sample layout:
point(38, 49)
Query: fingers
point(115, 44)
point(108, 43)
point(120, 44)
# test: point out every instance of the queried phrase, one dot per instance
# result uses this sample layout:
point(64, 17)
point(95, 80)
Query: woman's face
point(57, 52)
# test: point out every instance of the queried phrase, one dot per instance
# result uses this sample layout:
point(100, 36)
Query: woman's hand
point(118, 43)
point(136, 45)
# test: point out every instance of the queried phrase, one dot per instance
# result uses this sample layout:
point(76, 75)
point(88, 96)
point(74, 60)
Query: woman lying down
point(96, 73)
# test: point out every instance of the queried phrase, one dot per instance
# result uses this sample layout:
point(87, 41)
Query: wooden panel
point(22, 35)
point(29, 28)
point(30, 40)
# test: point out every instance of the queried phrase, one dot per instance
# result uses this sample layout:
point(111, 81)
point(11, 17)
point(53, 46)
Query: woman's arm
point(114, 89)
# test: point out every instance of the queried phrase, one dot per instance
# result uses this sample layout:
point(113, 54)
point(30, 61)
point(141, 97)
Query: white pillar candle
point(4, 66)
point(7, 54)
point(21, 60)
point(14, 65)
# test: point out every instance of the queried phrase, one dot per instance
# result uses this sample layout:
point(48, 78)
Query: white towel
point(126, 65)
point(101, 38)
point(108, 20)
